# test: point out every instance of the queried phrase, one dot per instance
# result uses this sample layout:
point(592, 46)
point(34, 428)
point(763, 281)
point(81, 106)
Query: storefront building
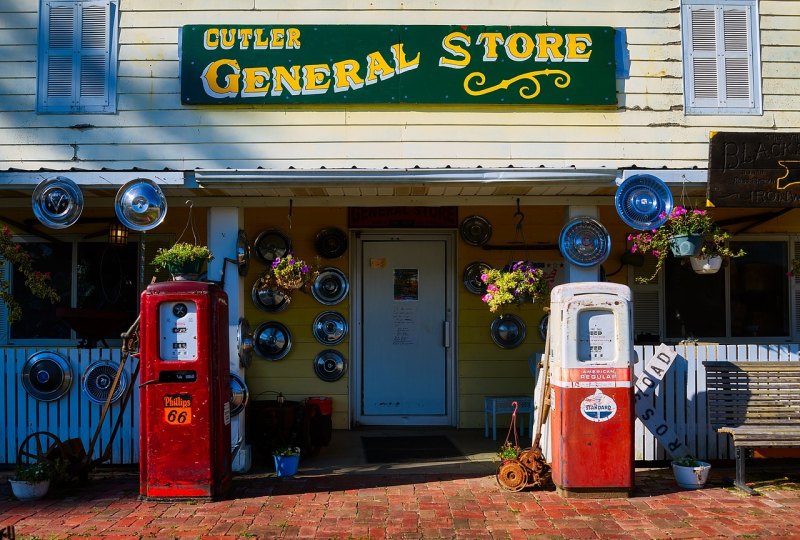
point(402, 144)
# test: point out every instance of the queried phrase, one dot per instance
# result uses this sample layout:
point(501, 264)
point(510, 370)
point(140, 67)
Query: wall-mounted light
point(117, 234)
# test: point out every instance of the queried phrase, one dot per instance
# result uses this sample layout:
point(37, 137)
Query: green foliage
point(687, 461)
point(36, 282)
point(36, 472)
point(180, 254)
point(682, 221)
point(289, 273)
point(514, 284)
point(509, 451)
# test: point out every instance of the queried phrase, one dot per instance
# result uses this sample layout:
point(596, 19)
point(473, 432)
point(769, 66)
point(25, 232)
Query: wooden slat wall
point(73, 416)
point(152, 130)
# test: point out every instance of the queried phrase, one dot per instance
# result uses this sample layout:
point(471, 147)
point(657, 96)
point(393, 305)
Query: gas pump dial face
point(178, 330)
point(596, 336)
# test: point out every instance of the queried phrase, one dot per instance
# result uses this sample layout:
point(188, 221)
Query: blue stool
point(495, 405)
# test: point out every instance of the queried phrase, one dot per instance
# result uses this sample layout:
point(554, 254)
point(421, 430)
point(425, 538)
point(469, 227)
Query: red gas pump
point(185, 423)
point(592, 416)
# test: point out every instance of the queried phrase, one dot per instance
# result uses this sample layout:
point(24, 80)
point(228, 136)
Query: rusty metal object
point(512, 476)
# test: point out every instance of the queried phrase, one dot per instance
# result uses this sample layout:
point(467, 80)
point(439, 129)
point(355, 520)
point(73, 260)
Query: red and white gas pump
point(185, 422)
point(592, 415)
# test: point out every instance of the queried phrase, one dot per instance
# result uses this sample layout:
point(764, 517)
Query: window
point(721, 57)
point(77, 56)
point(99, 291)
point(749, 299)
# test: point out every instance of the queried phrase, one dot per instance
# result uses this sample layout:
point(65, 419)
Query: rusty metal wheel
point(512, 476)
point(40, 446)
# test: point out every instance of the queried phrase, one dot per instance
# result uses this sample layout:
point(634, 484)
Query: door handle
point(446, 329)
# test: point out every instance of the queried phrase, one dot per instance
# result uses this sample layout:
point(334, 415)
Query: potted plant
point(287, 459)
point(690, 473)
point(31, 481)
point(514, 284)
point(713, 251)
point(508, 451)
point(183, 260)
point(288, 273)
point(685, 233)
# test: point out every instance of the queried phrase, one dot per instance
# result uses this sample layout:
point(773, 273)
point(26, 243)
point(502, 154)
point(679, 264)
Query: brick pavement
point(413, 506)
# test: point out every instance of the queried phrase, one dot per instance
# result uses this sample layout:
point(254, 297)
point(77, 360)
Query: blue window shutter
point(77, 56)
point(5, 277)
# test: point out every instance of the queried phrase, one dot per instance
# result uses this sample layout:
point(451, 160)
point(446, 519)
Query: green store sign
point(312, 64)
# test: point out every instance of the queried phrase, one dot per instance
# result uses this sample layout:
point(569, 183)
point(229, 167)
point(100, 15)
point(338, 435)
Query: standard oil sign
point(398, 64)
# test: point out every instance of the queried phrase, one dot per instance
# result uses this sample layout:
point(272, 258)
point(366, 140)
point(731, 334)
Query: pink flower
point(484, 277)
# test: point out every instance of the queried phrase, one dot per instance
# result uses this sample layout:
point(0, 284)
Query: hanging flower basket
point(706, 265)
point(685, 245)
point(517, 283)
point(288, 273)
point(686, 233)
point(183, 261)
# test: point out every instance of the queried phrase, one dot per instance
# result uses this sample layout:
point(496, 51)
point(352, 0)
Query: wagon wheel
point(512, 476)
point(40, 446)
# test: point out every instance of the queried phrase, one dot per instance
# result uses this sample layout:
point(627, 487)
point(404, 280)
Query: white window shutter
point(77, 56)
point(702, 62)
point(721, 69)
point(737, 56)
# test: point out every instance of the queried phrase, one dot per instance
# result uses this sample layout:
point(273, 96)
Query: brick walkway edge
point(410, 506)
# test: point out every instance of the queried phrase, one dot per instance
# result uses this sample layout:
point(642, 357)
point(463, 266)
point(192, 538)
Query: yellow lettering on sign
point(261, 42)
point(316, 78)
point(490, 41)
point(211, 75)
point(377, 66)
point(244, 35)
point(291, 78)
point(346, 77)
point(228, 36)
point(519, 46)
point(276, 38)
point(211, 39)
point(293, 38)
point(401, 63)
point(547, 47)
point(462, 56)
point(577, 47)
point(255, 82)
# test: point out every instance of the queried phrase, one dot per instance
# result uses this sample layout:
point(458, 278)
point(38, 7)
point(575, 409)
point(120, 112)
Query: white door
point(405, 361)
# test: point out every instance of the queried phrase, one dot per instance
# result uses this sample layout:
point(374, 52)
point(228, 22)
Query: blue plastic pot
point(286, 465)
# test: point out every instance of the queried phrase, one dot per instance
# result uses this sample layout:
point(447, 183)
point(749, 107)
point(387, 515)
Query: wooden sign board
point(754, 170)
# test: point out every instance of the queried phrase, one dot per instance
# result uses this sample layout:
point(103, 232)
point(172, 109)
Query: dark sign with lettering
point(749, 170)
point(465, 64)
point(404, 216)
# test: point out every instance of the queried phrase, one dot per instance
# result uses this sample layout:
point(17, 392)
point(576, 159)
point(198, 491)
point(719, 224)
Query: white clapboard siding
point(148, 96)
point(682, 398)
point(72, 416)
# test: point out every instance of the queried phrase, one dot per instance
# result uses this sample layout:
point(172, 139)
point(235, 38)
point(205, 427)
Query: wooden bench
point(757, 404)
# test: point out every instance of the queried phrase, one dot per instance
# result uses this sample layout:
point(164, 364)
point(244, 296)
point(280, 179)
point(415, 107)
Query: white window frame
point(721, 104)
point(70, 97)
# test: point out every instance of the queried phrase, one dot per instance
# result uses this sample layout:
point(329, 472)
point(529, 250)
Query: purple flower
point(276, 262)
point(304, 269)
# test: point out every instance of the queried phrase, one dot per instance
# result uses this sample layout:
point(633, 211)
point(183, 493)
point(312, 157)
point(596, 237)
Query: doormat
point(405, 449)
